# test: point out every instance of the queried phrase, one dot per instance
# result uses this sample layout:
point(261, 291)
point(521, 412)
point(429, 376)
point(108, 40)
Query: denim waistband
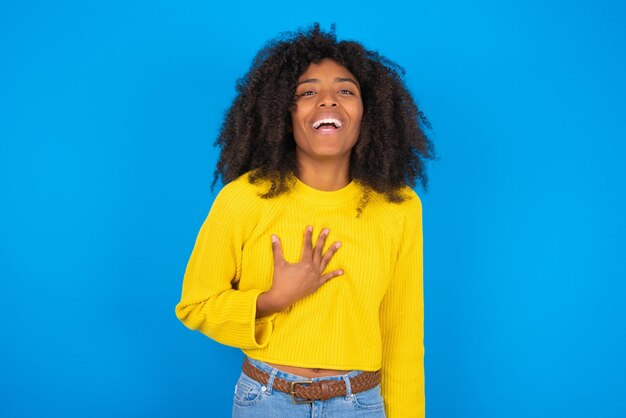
point(294, 377)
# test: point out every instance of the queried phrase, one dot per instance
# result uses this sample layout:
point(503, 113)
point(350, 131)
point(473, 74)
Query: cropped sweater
point(369, 318)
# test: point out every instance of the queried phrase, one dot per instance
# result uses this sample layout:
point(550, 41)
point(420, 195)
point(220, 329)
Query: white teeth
point(336, 122)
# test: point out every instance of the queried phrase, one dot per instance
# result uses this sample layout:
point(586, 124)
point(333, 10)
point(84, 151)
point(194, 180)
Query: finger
point(307, 247)
point(319, 245)
point(329, 276)
point(328, 255)
point(277, 250)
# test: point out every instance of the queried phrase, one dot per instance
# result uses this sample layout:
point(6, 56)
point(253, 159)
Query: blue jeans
point(253, 399)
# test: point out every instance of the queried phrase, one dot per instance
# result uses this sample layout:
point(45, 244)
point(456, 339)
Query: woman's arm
point(244, 319)
point(209, 303)
point(402, 325)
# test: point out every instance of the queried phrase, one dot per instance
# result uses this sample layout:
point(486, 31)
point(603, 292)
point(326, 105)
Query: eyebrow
point(337, 80)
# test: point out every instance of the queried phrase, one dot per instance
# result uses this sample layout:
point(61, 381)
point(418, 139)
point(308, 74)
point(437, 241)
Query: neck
point(324, 175)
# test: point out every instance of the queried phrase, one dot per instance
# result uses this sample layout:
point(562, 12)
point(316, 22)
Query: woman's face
point(327, 115)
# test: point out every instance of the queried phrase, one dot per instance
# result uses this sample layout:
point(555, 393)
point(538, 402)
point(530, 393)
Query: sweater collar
point(349, 193)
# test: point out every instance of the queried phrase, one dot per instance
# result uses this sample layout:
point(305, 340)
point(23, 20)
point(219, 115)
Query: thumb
point(277, 250)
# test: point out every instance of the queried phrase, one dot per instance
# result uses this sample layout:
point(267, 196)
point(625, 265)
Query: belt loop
point(346, 378)
point(270, 381)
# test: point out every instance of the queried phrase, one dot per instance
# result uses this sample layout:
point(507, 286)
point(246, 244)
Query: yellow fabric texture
point(370, 318)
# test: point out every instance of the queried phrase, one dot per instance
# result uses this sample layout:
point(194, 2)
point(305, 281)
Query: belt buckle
point(293, 391)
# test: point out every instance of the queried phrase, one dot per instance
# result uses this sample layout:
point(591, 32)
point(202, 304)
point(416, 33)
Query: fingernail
point(309, 228)
point(340, 272)
point(338, 245)
point(274, 238)
point(326, 231)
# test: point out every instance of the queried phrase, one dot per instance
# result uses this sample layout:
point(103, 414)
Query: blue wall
point(108, 112)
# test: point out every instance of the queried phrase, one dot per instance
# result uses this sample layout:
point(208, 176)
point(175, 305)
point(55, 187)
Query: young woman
point(310, 259)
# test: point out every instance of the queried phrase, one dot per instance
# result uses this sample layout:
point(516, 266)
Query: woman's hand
point(294, 281)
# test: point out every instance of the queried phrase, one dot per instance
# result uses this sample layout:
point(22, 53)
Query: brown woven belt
point(306, 391)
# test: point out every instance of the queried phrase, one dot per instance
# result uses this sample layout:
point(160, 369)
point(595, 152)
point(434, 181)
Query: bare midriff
point(307, 372)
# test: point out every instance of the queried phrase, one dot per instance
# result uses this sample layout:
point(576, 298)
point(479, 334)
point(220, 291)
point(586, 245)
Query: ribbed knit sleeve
point(402, 323)
point(210, 302)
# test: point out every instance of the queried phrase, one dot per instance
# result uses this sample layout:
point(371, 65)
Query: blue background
point(108, 113)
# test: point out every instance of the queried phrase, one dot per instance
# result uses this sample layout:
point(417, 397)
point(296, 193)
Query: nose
point(327, 99)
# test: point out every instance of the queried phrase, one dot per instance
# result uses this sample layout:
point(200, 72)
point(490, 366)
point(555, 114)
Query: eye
point(345, 91)
point(306, 93)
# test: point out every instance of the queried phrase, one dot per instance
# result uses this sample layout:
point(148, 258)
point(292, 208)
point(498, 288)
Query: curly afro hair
point(256, 133)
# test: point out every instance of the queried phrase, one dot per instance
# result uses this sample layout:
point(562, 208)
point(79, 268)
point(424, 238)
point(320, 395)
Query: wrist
point(269, 303)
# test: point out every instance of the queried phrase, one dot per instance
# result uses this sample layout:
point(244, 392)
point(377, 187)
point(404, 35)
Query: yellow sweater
point(368, 319)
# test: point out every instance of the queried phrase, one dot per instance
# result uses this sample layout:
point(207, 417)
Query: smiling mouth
point(327, 123)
